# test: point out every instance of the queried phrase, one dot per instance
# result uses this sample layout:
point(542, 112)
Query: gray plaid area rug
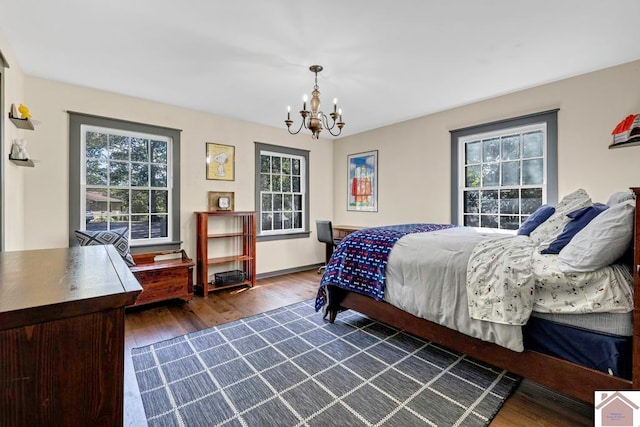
point(289, 367)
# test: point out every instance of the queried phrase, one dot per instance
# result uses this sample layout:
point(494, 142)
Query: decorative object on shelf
point(221, 162)
point(315, 119)
point(24, 112)
point(363, 182)
point(221, 201)
point(14, 112)
point(628, 130)
point(19, 154)
point(23, 122)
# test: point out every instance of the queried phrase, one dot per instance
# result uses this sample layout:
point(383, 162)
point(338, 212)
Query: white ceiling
point(386, 61)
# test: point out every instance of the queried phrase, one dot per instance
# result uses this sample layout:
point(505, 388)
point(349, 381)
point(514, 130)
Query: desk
point(62, 336)
point(342, 231)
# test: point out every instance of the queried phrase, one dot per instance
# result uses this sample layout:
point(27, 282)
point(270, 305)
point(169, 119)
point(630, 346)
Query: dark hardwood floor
point(530, 405)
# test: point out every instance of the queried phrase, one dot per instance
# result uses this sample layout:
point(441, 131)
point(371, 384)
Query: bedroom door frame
point(3, 65)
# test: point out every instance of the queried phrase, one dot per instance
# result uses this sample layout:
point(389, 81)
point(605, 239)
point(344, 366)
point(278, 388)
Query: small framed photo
point(221, 201)
point(221, 162)
point(362, 186)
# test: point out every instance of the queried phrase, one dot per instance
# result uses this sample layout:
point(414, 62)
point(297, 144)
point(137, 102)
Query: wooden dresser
point(62, 336)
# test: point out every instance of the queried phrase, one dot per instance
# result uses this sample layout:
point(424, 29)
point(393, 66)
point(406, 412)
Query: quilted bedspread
point(359, 262)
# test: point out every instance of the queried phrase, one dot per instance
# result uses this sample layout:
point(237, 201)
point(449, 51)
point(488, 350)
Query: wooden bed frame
point(561, 375)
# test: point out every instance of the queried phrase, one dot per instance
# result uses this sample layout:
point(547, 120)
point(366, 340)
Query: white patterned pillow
point(549, 230)
point(118, 237)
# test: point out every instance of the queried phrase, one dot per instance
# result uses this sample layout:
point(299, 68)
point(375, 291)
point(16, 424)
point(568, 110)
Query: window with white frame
point(281, 199)
point(505, 173)
point(126, 182)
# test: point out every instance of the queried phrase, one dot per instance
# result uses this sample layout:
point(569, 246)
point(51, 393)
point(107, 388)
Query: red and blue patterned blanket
point(359, 262)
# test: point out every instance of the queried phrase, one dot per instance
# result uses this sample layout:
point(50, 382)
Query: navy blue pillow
point(535, 219)
point(579, 220)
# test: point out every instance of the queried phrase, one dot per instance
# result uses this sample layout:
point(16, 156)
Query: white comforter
point(435, 276)
point(426, 276)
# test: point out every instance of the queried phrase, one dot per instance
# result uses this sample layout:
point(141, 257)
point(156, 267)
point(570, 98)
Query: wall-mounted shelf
point(21, 123)
point(27, 163)
point(630, 143)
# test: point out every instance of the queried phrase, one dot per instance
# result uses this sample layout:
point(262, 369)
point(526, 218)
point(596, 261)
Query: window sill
point(152, 247)
point(270, 237)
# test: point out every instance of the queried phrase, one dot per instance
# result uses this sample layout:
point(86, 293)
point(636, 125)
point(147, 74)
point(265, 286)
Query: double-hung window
point(504, 171)
point(282, 192)
point(125, 177)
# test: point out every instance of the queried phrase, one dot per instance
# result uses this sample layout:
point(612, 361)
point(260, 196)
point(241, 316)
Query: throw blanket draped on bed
point(359, 262)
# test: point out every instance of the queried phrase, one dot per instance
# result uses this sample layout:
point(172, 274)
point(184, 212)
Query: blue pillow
point(535, 219)
point(579, 220)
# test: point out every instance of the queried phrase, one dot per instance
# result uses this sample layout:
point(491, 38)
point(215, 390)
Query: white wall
point(12, 194)
point(46, 186)
point(414, 156)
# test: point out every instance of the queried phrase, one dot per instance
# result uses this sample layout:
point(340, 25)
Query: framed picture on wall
point(221, 162)
point(362, 185)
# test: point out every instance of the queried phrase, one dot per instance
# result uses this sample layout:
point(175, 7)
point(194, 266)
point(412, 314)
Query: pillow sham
point(539, 216)
point(603, 241)
point(619, 197)
point(547, 232)
point(118, 237)
point(578, 220)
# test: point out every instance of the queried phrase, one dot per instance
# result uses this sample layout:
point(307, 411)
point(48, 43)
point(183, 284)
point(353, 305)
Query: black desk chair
point(325, 235)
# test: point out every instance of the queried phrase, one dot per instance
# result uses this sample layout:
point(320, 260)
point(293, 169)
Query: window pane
point(118, 221)
point(95, 205)
point(288, 202)
point(295, 169)
point(265, 182)
point(139, 226)
point(98, 223)
point(277, 202)
point(511, 147)
point(471, 202)
point(140, 201)
point(96, 172)
point(277, 221)
point(159, 151)
point(297, 220)
point(297, 202)
point(295, 184)
point(509, 202)
point(286, 183)
point(490, 174)
point(118, 201)
point(286, 166)
point(118, 174)
point(472, 221)
point(472, 152)
point(267, 223)
point(275, 164)
point(287, 220)
point(511, 173)
point(96, 145)
point(267, 202)
point(532, 171)
point(489, 221)
point(159, 226)
point(531, 200)
point(140, 174)
point(119, 147)
point(275, 183)
point(158, 175)
point(472, 176)
point(532, 144)
point(139, 150)
point(491, 150)
point(489, 201)
point(509, 222)
point(159, 201)
point(265, 164)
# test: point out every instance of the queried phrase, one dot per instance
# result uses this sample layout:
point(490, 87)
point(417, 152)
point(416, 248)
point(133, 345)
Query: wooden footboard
point(561, 375)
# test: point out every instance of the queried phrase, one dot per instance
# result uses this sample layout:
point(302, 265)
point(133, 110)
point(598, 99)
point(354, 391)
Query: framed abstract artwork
point(221, 161)
point(362, 187)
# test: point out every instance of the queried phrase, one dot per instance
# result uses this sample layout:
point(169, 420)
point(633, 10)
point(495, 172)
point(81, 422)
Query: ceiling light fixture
point(315, 119)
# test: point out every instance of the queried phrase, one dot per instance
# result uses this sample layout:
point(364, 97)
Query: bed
point(575, 332)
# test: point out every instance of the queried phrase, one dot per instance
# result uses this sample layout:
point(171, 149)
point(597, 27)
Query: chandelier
point(315, 119)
